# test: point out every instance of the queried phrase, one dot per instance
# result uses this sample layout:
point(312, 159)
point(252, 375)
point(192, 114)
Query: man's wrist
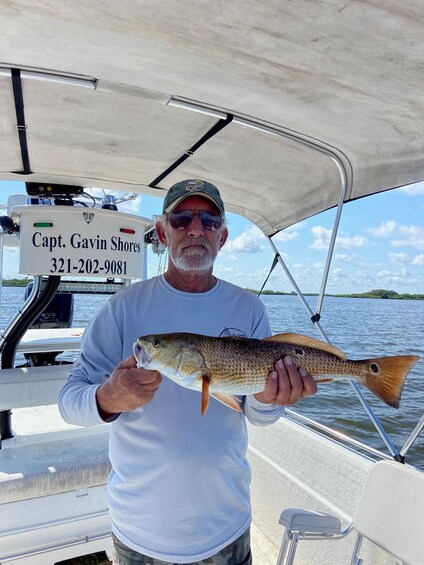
point(104, 414)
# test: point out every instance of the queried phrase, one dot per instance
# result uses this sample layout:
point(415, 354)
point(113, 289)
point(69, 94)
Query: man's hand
point(286, 385)
point(127, 388)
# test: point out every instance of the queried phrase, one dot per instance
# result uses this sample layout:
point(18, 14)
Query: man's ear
point(160, 230)
point(223, 238)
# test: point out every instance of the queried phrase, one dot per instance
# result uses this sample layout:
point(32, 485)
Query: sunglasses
point(181, 220)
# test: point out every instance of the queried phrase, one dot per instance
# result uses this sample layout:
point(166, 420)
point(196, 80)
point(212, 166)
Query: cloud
point(322, 238)
point(385, 229)
point(402, 277)
point(417, 261)
point(345, 258)
point(409, 236)
point(416, 189)
point(250, 241)
point(405, 236)
point(289, 233)
point(399, 257)
point(338, 275)
point(349, 242)
point(230, 258)
point(341, 280)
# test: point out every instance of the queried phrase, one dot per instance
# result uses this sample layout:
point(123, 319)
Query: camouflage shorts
point(237, 553)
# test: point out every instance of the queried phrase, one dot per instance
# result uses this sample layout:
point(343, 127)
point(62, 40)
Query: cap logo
point(194, 185)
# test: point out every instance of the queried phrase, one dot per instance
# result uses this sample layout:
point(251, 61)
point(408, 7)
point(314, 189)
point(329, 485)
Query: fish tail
point(387, 376)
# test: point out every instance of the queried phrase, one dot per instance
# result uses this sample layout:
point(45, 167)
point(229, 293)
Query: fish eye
point(156, 342)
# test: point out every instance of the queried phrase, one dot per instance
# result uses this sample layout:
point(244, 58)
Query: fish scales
point(239, 367)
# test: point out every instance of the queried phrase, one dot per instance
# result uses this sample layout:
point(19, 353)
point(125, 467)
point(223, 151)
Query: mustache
point(188, 242)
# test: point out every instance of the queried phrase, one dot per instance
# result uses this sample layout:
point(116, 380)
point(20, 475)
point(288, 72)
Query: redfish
point(224, 367)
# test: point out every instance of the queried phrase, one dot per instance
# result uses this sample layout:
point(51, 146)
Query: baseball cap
point(192, 187)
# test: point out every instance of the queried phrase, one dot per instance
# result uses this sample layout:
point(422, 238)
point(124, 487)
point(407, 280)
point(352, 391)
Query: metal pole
point(332, 244)
point(1, 262)
point(297, 289)
point(412, 437)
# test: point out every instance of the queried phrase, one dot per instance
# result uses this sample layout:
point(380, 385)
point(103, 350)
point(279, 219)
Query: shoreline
point(382, 294)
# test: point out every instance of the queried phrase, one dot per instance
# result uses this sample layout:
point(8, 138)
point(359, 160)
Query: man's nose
point(195, 228)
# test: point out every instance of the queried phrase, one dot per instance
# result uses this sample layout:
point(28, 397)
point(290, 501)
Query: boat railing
point(413, 436)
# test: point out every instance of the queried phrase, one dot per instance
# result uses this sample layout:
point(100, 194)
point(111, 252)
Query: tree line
point(380, 293)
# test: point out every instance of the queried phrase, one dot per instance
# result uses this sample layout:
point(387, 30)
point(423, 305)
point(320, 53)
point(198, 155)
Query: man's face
point(194, 248)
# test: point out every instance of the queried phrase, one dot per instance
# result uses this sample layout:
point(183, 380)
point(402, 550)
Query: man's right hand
point(127, 388)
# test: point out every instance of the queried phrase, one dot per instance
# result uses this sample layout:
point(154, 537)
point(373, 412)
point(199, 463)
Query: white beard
point(188, 258)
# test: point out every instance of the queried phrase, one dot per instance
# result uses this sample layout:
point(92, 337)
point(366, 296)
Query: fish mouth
point(141, 355)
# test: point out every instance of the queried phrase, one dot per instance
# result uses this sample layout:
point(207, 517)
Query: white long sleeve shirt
point(179, 485)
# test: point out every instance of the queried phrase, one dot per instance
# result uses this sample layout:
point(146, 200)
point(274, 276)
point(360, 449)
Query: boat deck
point(264, 552)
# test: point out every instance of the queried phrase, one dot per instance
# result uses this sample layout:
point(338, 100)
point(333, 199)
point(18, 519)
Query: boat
point(291, 108)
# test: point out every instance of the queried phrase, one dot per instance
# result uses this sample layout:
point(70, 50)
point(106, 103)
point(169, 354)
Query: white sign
point(80, 242)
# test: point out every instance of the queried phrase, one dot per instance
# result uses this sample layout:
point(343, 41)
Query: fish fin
point(228, 399)
point(189, 360)
point(205, 394)
point(320, 381)
point(306, 341)
point(387, 376)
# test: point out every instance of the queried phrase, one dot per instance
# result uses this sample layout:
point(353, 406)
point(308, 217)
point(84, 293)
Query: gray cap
point(192, 187)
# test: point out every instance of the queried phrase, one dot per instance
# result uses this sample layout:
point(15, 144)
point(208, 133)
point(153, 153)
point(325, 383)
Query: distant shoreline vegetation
point(16, 282)
point(377, 293)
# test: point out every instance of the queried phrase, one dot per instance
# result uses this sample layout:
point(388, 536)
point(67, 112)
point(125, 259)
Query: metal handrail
point(35, 291)
point(297, 289)
point(411, 439)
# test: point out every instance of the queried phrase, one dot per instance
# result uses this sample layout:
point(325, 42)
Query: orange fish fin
point(228, 399)
point(320, 381)
point(205, 394)
point(306, 341)
point(387, 376)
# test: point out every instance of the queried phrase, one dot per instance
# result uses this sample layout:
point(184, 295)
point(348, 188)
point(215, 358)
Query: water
point(360, 327)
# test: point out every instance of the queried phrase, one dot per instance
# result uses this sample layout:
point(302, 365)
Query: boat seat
point(389, 513)
point(42, 469)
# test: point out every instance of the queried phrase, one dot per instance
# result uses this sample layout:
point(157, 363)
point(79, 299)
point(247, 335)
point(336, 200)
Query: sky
point(380, 245)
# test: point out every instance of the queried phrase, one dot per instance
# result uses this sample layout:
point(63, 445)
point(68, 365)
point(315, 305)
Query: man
point(179, 485)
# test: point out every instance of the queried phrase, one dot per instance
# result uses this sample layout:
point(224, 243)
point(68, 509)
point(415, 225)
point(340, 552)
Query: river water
point(362, 328)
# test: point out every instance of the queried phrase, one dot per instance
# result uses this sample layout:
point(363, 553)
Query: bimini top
point(280, 104)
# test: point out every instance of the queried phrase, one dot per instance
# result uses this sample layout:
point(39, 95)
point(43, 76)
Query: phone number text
point(87, 266)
